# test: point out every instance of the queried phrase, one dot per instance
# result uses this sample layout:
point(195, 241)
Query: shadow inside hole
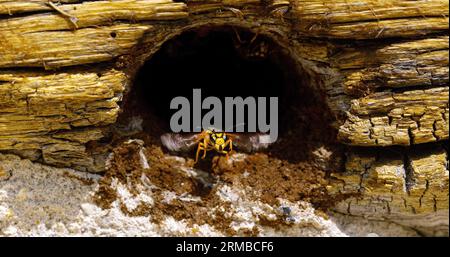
point(226, 61)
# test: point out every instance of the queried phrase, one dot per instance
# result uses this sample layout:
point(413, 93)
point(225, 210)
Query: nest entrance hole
point(229, 61)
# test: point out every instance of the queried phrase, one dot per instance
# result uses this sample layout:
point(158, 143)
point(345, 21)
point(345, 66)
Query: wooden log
point(411, 27)
point(410, 117)
point(432, 70)
point(11, 7)
point(96, 13)
point(381, 103)
point(373, 54)
point(370, 19)
point(32, 103)
point(65, 48)
point(394, 184)
point(221, 6)
point(344, 11)
point(62, 148)
point(35, 141)
point(415, 63)
point(56, 113)
point(66, 154)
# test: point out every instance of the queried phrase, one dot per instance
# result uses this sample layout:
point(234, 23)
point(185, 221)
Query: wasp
point(213, 140)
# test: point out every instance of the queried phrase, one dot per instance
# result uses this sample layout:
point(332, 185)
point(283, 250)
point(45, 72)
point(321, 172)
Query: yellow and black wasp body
point(212, 140)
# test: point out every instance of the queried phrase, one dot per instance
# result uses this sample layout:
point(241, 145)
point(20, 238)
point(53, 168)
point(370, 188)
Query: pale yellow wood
point(53, 49)
point(370, 19)
point(345, 11)
point(393, 183)
point(97, 13)
point(405, 27)
point(382, 53)
point(11, 7)
point(44, 103)
point(411, 117)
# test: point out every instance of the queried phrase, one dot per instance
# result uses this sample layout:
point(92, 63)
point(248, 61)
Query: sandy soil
point(166, 198)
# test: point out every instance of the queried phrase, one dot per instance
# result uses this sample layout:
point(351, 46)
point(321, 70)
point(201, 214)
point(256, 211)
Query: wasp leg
point(206, 146)
point(199, 148)
point(230, 144)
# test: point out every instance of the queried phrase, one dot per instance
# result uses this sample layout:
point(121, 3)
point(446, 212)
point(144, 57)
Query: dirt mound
point(198, 193)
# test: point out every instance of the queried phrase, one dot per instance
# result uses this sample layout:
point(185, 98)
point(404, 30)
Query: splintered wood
point(382, 64)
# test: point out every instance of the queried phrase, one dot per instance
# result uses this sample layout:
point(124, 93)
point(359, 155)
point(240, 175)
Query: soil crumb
point(263, 191)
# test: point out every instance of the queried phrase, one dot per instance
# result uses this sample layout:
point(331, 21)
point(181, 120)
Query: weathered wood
point(362, 56)
point(33, 103)
point(98, 13)
point(389, 88)
point(394, 183)
point(416, 63)
point(410, 117)
point(220, 6)
point(370, 19)
point(412, 27)
point(344, 11)
point(12, 7)
point(65, 48)
point(430, 69)
point(312, 50)
point(56, 114)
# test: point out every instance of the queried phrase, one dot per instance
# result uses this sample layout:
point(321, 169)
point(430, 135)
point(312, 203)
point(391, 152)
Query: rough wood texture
point(58, 112)
point(40, 103)
point(382, 65)
point(361, 56)
point(370, 19)
point(95, 14)
point(11, 7)
point(422, 62)
point(67, 48)
point(343, 11)
point(410, 117)
point(397, 185)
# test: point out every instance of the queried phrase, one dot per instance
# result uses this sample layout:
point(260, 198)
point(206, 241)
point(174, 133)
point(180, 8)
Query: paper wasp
point(210, 139)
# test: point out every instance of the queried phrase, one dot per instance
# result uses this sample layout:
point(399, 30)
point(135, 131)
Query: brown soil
point(272, 178)
point(262, 177)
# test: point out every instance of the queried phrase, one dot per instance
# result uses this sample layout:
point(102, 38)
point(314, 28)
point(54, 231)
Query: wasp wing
point(180, 142)
point(251, 142)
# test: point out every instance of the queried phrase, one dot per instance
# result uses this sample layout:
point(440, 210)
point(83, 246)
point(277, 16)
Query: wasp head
point(219, 140)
